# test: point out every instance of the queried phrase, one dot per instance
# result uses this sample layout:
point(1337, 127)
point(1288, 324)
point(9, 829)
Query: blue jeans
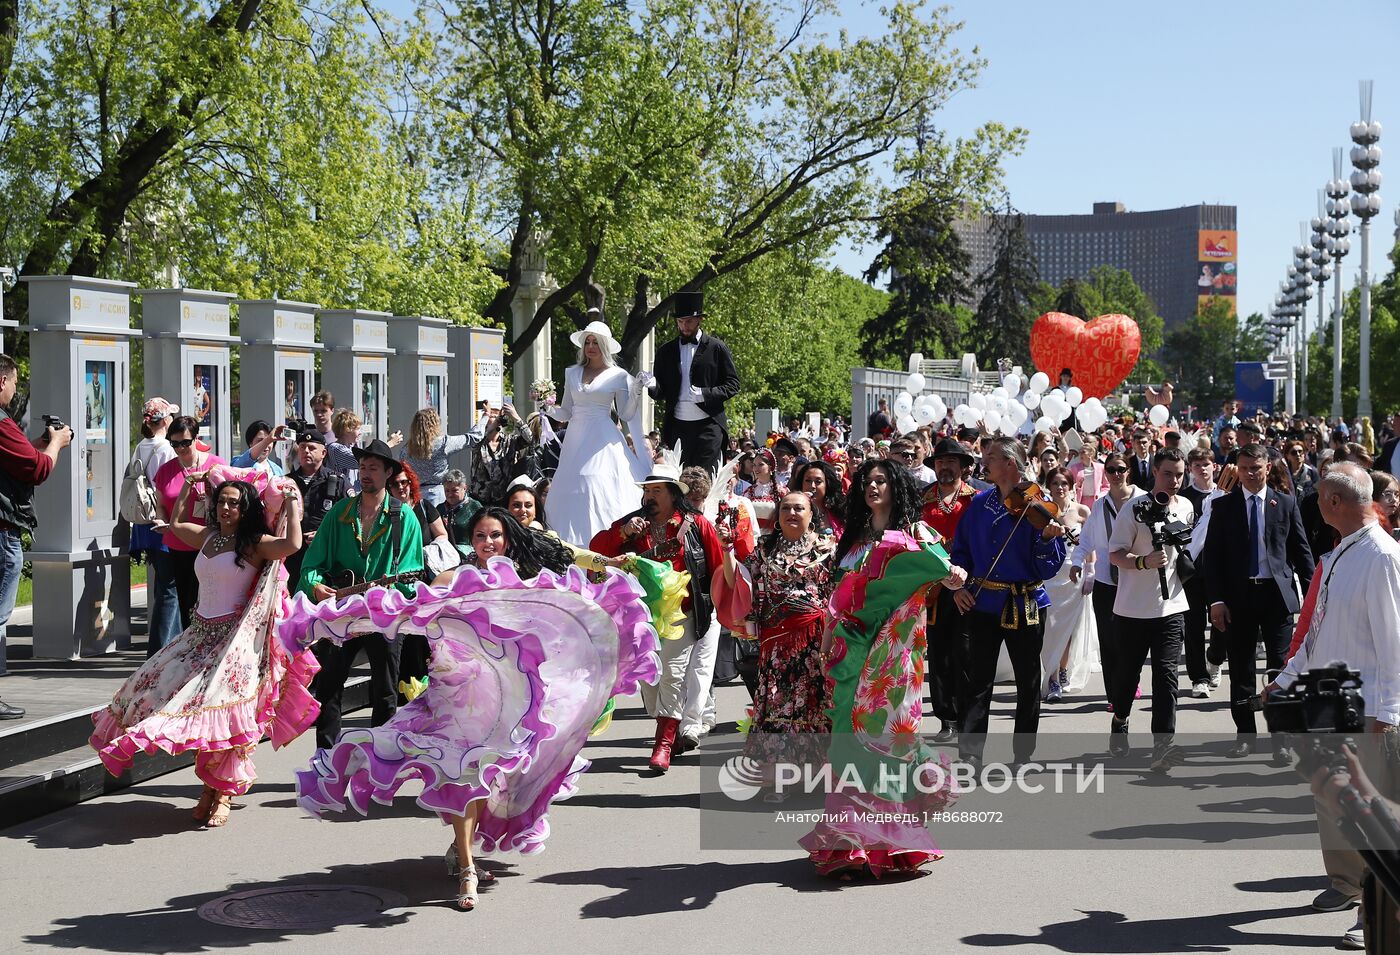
point(162, 602)
point(11, 566)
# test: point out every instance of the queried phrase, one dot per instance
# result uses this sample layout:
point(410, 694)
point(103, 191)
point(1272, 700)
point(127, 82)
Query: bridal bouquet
point(543, 393)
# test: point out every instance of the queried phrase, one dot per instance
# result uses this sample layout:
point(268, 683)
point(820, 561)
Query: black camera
point(53, 421)
point(1323, 700)
point(298, 425)
point(1152, 511)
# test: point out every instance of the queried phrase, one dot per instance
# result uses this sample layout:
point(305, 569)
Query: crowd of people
point(838, 577)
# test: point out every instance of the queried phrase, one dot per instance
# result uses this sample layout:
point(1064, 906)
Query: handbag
point(139, 502)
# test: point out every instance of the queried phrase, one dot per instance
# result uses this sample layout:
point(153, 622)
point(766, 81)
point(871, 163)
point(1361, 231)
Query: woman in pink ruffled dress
point(226, 681)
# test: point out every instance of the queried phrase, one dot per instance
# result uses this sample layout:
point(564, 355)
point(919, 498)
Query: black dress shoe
point(947, 734)
point(8, 712)
point(1118, 743)
point(685, 744)
point(1239, 749)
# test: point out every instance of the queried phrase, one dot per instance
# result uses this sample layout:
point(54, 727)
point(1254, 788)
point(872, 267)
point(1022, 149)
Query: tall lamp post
point(1321, 259)
point(1303, 276)
point(1339, 244)
point(1365, 203)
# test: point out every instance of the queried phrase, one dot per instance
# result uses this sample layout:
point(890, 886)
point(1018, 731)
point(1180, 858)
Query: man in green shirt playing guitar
point(362, 540)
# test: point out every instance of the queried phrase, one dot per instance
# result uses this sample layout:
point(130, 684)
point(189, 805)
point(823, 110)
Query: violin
point(1029, 500)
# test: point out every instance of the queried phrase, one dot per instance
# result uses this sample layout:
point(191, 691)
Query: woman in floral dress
point(874, 647)
point(779, 595)
point(225, 682)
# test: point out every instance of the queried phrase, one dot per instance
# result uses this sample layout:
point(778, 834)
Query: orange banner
point(1215, 245)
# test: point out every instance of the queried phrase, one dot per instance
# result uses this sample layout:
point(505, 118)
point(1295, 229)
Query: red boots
point(665, 739)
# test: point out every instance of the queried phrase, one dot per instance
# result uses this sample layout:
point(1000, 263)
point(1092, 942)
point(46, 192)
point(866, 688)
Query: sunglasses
point(182, 444)
point(911, 455)
point(404, 482)
point(1116, 470)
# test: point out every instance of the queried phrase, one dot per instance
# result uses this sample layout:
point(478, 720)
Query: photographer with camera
point(23, 465)
point(1254, 545)
point(1148, 546)
point(1356, 618)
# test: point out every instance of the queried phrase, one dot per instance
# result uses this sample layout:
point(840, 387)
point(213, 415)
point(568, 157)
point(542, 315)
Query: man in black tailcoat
point(695, 375)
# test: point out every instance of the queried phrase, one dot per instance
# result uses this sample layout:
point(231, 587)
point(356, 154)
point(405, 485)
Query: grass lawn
point(26, 585)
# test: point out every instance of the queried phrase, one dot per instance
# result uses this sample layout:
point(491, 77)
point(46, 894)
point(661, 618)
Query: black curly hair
point(251, 522)
point(835, 500)
point(531, 550)
point(905, 506)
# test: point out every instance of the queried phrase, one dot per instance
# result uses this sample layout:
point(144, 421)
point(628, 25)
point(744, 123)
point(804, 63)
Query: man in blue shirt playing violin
point(1009, 553)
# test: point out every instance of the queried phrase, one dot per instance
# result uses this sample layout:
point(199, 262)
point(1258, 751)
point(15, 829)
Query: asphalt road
point(625, 870)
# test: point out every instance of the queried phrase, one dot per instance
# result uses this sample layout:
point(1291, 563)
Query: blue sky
point(1158, 105)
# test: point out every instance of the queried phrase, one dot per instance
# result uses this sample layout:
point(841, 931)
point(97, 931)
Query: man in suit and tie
point(1254, 545)
point(1140, 461)
point(695, 375)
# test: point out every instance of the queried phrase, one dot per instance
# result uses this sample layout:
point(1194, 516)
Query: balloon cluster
point(913, 412)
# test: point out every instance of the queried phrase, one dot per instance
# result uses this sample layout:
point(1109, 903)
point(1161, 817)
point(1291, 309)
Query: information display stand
point(80, 353)
point(478, 372)
point(187, 357)
point(277, 362)
point(418, 367)
point(356, 364)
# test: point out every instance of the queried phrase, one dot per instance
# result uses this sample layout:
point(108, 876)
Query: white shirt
point(1198, 533)
point(1094, 534)
point(1357, 619)
point(155, 452)
point(687, 408)
point(1140, 591)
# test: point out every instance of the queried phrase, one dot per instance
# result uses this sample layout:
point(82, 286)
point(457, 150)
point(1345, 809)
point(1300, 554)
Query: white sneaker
point(1355, 937)
point(1212, 675)
point(1200, 690)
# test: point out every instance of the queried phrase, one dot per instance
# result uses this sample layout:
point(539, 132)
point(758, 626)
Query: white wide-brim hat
point(665, 474)
point(600, 331)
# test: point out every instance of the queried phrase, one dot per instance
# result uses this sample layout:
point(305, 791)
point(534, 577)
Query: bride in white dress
point(1070, 651)
point(595, 482)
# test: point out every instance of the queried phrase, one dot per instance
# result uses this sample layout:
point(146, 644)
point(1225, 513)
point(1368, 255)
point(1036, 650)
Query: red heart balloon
point(1101, 352)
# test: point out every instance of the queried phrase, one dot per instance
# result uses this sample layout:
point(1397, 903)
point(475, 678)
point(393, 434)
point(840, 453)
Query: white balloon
point(992, 419)
point(1074, 396)
point(1031, 400)
point(1000, 404)
point(1017, 413)
point(903, 404)
point(1052, 406)
point(1000, 392)
point(1012, 384)
point(923, 414)
point(1090, 418)
point(978, 402)
point(921, 400)
point(1039, 382)
point(960, 415)
point(906, 424)
point(940, 410)
point(1043, 424)
point(1159, 415)
point(914, 383)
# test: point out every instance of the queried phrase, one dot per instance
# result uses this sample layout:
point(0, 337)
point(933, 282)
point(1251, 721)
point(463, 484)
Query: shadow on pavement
point(178, 927)
point(1102, 931)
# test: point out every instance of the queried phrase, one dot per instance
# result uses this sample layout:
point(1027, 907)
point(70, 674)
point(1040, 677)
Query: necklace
point(787, 548)
point(222, 541)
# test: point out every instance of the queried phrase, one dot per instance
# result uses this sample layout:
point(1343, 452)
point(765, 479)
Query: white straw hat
point(600, 331)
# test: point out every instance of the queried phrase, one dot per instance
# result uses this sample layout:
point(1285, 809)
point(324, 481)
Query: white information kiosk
point(478, 359)
point(418, 367)
point(187, 357)
point(80, 360)
point(356, 364)
point(277, 362)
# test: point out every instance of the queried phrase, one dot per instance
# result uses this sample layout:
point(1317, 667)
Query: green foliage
point(1199, 356)
point(928, 267)
point(1385, 342)
point(1002, 325)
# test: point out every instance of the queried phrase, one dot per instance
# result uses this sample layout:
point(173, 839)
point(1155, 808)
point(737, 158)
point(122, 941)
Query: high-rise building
point(1179, 257)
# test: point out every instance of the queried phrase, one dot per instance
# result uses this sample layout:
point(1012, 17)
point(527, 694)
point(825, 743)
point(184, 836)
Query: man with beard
point(669, 529)
point(944, 503)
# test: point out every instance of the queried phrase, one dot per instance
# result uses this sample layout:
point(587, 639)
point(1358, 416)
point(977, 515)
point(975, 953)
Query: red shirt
point(18, 456)
point(612, 543)
point(945, 519)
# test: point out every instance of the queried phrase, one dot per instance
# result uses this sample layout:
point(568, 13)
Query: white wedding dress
point(1069, 623)
point(595, 482)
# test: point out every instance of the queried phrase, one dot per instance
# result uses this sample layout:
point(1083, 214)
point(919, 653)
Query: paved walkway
point(624, 871)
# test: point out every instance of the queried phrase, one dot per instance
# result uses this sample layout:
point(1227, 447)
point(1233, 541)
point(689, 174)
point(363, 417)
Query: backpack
point(139, 502)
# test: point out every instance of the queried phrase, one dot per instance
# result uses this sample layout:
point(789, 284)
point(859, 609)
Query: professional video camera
point(1318, 711)
point(1152, 512)
point(298, 425)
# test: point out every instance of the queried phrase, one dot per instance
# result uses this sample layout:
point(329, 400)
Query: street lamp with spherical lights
point(1365, 204)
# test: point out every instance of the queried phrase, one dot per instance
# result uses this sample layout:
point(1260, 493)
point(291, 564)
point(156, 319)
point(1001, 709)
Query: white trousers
point(687, 671)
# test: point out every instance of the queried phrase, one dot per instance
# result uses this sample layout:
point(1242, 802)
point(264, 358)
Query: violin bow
point(997, 559)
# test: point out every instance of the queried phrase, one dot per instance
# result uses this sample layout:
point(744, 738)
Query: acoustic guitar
point(346, 584)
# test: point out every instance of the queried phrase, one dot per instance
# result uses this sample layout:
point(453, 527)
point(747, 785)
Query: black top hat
point(378, 449)
point(948, 448)
point(688, 304)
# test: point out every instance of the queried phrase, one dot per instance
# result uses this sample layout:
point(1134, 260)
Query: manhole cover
point(301, 907)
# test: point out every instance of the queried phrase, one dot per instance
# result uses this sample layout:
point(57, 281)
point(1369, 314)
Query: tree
point(1002, 325)
point(928, 267)
point(1109, 291)
point(663, 147)
point(1199, 355)
point(1385, 341)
